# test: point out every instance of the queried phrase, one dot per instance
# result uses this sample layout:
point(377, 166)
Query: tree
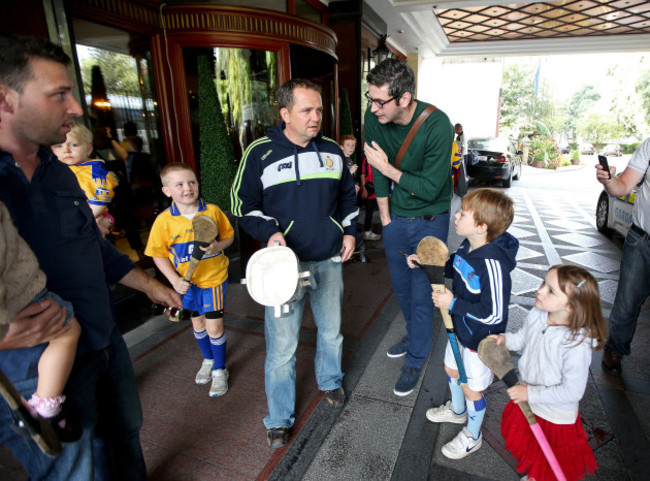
point(580, 102)
point(643, 89)
point(517, 94)
point(217, 158)
point(598, 128)
point(119, 71)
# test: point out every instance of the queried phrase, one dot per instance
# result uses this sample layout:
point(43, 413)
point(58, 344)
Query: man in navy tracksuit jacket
point(293, 188)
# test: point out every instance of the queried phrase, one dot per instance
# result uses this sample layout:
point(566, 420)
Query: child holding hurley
point(557, 340)
point(478, 304)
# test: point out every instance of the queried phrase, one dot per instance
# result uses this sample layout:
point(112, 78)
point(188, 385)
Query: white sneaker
point(371, 236)
point(219, 382)
point(462, 445)
point(446, 414)
point(205, 373)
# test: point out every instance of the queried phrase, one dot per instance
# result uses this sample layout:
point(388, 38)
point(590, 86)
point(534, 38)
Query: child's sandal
point(65, 426)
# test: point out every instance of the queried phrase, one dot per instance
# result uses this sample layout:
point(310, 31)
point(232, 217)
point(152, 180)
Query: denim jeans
point(633, 290)
point(102, 394)
point(282, 335)
point(411, 286)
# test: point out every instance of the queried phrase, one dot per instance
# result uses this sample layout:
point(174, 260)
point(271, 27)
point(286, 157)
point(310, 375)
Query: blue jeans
point(633, 290)
point(282, 335)
point(102, 394)
point(411, 286)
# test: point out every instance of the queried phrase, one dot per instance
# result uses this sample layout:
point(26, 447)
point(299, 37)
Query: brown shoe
point(611, 361)
point(277, 437)
point(336, 397)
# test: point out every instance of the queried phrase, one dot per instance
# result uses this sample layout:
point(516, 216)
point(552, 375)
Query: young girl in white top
point(557, 340)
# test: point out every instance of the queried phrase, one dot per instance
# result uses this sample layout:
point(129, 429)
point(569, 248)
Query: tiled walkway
point(377, 436)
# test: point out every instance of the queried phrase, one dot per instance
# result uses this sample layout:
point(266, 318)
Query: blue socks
point(475, 415)
point(457, 396)
point(203, 341)
point(218, 346)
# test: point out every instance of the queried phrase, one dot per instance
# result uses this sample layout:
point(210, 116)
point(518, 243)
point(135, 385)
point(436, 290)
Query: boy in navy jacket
point(478, 304)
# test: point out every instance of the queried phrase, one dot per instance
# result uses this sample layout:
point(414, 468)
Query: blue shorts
point(210, 299)
point(69, 311)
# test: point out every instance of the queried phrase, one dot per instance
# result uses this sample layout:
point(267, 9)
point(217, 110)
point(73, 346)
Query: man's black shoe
point(611, 361)
point(336, 397)
point(277, 437)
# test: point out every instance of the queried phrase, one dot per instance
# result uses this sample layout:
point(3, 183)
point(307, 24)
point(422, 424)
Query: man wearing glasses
point(414, 199)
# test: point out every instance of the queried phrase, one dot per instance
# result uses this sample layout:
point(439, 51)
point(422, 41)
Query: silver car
point(614, 214)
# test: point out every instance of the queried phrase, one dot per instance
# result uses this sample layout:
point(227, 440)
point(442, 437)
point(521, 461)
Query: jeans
point(282, 335)
point(633, 290)
point(411, 286)
point(102, 394)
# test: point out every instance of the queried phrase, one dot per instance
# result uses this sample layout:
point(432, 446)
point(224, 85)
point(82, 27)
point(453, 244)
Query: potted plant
point(575, 157)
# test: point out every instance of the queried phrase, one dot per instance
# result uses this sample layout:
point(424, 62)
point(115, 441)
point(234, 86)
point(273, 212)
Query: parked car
point(565, 148)
point(615, 213)
point(494, 158)
point(612, 149)
point(587, 149)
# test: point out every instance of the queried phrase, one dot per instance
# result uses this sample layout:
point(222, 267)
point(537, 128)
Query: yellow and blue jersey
point(172, 236)
point(97, 183)
point(456, 156)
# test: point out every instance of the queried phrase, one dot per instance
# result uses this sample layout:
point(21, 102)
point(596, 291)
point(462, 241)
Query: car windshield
point(491, 145)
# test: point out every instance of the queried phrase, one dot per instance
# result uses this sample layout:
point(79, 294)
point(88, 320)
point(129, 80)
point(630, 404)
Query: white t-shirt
point(640, 161)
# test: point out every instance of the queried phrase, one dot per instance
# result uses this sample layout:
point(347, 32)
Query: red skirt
point(568, 442)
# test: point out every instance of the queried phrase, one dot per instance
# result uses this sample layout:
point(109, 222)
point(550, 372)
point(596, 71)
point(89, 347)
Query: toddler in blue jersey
point(478, 305)
point(97, 183)
point(170, 245)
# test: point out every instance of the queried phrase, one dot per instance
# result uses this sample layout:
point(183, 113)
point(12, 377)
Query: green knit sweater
point(426, 186)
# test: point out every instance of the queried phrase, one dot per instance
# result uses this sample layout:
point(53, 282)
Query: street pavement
point(377, 435)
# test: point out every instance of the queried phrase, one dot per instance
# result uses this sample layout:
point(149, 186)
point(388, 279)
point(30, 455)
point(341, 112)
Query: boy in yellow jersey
point(170, 244)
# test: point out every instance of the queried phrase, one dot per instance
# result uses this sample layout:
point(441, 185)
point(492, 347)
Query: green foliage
point(517, 97)
point(630, 148)
point(345, 115)
point(643, 89)
point(580, 102)
point(217, 159)
point(120, 73)
point(598, 128)
point(544, 149)
point(574, 154)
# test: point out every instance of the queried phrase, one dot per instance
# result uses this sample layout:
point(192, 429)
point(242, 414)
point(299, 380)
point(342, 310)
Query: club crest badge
point(329, 162)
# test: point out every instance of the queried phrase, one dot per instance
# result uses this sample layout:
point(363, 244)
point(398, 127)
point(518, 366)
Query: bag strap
point(409, 137)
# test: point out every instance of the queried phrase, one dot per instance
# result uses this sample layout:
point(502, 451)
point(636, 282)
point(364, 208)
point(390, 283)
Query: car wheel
point(517, 176)
point(508, 182)
point(602, 214)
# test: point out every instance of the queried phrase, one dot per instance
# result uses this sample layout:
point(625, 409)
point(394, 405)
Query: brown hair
point(492, 208)
point(347, 137)
point(584, 302)
point(173, 167)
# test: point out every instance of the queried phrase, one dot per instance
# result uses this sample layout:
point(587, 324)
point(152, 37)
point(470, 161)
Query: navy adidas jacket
point(481, 288)
point(306, 193)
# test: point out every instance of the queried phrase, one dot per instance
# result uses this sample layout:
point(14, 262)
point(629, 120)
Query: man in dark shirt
point(52, 215)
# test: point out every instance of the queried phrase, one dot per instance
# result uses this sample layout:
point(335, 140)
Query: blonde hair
point(81, 133)
point(584, 302)
point(173, 167)
point(492, 208)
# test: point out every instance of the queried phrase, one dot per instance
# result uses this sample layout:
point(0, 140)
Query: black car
point(494, 158)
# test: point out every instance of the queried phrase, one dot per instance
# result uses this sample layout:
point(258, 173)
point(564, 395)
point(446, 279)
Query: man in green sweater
point(414, 198)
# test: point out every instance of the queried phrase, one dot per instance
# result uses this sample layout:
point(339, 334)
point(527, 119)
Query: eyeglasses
point(378, 103)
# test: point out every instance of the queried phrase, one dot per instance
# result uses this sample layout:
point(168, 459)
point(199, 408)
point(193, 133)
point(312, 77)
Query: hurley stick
point(497, 358)
point(205, 231)
point(38, 429)
point(433, 255)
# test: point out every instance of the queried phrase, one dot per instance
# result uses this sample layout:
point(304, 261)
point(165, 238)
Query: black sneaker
point(407, 381)
point(277, 437)
point(336, 397)
point(399, 349)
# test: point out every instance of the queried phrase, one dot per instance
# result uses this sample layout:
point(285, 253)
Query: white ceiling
point(414, 29)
